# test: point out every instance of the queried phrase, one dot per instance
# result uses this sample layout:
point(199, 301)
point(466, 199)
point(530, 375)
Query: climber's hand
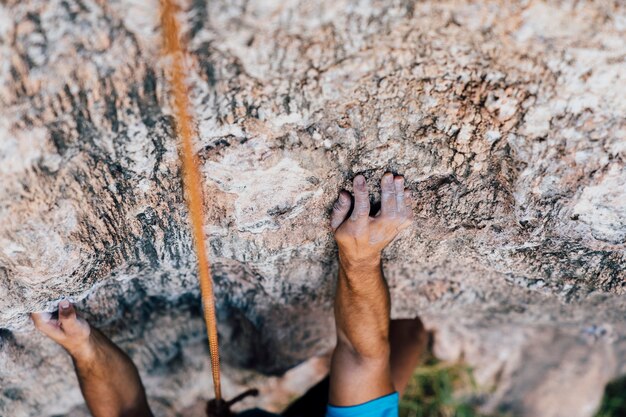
point(69, 330)
point(361, 238)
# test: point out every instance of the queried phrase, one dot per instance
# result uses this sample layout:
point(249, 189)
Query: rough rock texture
point(507, 118)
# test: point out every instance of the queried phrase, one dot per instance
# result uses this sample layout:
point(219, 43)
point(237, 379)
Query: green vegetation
point(431, 393)
point(614, 401)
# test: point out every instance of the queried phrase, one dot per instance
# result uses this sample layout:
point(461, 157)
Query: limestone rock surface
point(506, 118)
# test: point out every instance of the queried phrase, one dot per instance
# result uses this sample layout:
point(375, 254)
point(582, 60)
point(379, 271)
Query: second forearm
point(109, 380)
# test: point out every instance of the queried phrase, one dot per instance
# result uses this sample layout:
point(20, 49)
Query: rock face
point(507, 119)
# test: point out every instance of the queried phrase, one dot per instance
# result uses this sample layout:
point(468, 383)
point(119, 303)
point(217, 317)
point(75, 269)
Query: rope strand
point(192, 183)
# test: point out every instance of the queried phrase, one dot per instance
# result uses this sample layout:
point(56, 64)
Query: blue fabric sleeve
point(386, 406)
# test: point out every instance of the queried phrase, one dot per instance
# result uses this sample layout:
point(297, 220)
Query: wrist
point(85, 352)
point(351, 264)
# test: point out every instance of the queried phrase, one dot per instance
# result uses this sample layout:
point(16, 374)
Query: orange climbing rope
point(193, 189)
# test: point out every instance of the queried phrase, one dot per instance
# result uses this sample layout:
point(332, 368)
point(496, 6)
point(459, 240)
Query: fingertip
point(66, 310)
point(359, 183)
point(387, 180)
point(399, 183)
point(341, 203)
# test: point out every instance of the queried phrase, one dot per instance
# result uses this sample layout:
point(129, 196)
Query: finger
point(41, 319)
point(361, 199)
point(398, 183)
point(388, 205)
point(407, 205)
point(67, 317)
point(340, 210)
point(46, 325)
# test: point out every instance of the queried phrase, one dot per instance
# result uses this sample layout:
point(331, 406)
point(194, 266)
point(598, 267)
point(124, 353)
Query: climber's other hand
point(361, 237)
point(69, 330)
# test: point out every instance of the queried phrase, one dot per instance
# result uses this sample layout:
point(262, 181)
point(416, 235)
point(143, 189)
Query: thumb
point(47, 325)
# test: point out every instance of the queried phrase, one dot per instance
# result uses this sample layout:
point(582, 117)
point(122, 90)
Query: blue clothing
point(386, 406)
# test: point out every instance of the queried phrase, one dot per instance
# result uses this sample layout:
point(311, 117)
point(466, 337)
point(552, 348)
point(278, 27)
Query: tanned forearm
point(362, 320)
point(362, 311)
point(109, 380)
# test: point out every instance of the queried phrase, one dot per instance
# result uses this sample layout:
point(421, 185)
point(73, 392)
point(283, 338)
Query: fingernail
point(360, 180)
point(64, 304)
